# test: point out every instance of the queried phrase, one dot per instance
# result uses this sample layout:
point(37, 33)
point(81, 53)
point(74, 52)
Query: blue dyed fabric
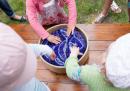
point(62, 50)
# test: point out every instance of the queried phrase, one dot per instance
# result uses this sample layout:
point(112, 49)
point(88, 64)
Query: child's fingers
point(53, 56)
point(68, 33)
point(58, 39)
point(55, 41)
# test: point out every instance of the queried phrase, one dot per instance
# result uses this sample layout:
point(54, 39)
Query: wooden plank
point(25, 31)
point(22, 27)
point(32, 41)
point(67, 87)
point(48, 76)
point(98, 45)
point(105, 31)
point(105, 36)
point(94, 32)
point(105, 27)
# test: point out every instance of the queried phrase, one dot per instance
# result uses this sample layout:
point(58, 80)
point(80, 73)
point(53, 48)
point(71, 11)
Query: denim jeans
point(6, 8)
point(33, 85)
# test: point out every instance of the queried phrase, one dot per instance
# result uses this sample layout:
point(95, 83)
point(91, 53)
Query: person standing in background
point(109, 4)
point(4, 5)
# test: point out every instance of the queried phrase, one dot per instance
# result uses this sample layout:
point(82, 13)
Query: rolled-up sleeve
point(73, 69)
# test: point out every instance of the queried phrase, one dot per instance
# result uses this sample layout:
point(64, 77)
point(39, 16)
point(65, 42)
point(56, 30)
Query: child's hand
point(53, 39)
point(74, 51)
point(53, 56)
point(40, 50)
point(70, 30)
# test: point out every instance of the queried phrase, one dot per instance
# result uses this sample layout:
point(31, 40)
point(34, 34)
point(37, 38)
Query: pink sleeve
point(72, 12)
point(31, 11)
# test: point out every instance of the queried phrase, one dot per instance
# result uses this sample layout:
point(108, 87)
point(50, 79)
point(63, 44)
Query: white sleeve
point(40, 50)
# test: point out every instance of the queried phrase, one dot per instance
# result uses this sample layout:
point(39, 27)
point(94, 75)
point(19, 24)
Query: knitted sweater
point(90, 75)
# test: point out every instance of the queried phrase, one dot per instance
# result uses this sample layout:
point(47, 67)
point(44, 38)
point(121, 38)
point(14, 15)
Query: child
point(48, 12)
point(18, 62)
point(116, 64)
point(109, 4)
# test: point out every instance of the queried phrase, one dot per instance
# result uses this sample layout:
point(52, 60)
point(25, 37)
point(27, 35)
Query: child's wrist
point(73, 55)
point(48, 36)
point(49, 51)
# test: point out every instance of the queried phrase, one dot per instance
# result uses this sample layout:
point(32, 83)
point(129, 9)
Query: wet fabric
point(62, 50)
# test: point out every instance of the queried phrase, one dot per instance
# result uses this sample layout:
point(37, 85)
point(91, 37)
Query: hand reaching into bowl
point(53, 39)
point(53, 56)
point(40, 50)
point(70, 30)
point(74, 51)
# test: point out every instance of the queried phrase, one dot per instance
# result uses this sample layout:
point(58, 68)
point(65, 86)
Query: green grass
point(18, 7)
point(87, 11)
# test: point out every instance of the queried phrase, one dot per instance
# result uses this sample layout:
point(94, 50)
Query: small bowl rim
point(79, 59)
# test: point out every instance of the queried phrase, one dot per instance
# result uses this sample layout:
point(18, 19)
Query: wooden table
point(100, 36)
